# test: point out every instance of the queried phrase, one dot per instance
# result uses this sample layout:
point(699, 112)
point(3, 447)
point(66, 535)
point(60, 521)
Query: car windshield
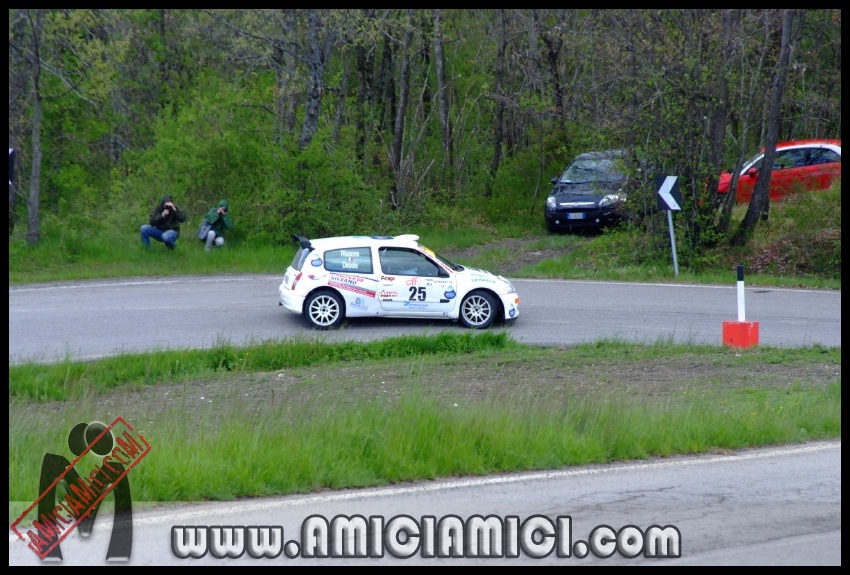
point(587, 171)
point(430, 252)
point(754, 162)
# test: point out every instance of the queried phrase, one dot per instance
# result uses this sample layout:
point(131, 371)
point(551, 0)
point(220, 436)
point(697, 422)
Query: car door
point(789, 172)
point(352, 274)
point(824, 167)
point(414, 284)
point(747, 181)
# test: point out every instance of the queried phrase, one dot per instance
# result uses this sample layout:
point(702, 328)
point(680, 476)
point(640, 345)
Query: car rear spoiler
point(305, 243)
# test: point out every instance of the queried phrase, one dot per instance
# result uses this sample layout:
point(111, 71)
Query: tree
point(320, 38)
point(499, 120)
point(760, 201)
point(62, 45)
point(443, 92)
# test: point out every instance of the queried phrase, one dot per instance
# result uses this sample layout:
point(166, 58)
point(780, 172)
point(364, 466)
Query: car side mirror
point(752, 172)
point(554, 180)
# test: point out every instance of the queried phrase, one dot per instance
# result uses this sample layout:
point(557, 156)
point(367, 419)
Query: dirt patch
point(537, 377)
point(513, 254)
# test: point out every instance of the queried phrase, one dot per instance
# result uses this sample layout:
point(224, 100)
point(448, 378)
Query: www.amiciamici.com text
point(404, 537)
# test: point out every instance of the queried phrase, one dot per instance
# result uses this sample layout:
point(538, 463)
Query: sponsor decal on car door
point(410, 284)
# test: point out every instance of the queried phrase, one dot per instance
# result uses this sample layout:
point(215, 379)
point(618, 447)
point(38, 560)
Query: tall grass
point(71, 255)
point(800, 245)
point(280, 448)
point(67, 379)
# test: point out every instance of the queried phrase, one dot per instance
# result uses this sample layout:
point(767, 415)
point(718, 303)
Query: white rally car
point(366, 276)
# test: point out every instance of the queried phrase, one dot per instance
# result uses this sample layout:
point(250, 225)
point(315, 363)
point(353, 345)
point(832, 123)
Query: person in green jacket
point(220, 221)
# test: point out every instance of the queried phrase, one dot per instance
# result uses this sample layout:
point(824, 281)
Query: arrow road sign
point(669, 197)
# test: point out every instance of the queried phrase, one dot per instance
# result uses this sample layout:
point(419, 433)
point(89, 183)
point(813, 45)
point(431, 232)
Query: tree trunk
point(442, 92)
point(315, 88)
point(35, 178)
point(340, 103)
point(553, 56)
point(365, 87)
point(401, 110)
point(13, 194)
point(760, 201)
point(731, 22)
point(281, 85)
point(498, 126)
point(386, 87)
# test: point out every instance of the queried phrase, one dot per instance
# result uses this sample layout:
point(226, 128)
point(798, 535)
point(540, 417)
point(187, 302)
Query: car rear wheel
point(478, 310)
point(324, 310)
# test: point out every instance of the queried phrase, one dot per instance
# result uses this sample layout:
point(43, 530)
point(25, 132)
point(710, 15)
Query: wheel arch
point(500, 306)
point(319, 288)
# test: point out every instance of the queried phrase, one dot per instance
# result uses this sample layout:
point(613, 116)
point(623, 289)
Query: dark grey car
point(589, 193)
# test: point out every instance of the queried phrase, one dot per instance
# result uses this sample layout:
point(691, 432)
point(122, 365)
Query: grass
point(74, 379)
point(71, 257)
point(582, 264)
point(303, 416)
point(289, 449)
point(68, 379)
point(800, 245)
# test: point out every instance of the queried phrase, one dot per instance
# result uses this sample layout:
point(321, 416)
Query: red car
point(799, 165)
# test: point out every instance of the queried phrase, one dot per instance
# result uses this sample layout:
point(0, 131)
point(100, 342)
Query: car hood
point(479, 276)
point(584, 196)
point(724, 182)
point(590, 192)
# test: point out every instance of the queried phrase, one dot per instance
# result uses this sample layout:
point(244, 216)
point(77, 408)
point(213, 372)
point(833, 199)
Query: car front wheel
point(324, 310)
point(478, 310)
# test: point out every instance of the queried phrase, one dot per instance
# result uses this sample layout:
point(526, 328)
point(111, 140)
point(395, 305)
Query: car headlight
point(509, 287)
point(551, 202)
point(611, 199)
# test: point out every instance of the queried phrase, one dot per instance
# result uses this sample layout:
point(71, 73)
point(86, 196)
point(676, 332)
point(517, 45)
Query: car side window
point(349, 260)
point(300, 258)
point(789, 159)
point(405, 262)
point(823, 156)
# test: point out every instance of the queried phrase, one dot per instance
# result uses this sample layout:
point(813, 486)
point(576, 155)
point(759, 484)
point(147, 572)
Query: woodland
point(334, 122)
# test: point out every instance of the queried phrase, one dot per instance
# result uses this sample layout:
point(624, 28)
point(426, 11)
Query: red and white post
point(741, 333)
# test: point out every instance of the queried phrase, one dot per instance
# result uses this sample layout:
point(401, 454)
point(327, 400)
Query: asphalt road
point(775, 506)
point(92, 319)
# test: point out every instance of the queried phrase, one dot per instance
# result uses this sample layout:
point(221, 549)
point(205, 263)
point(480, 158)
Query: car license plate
point(579, 216)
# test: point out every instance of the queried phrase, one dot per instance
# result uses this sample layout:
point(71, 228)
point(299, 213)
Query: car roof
point(600, 155)
point(791, 143)
point(807, 144)
point(338, 242)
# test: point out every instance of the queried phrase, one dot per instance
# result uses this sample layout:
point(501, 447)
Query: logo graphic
point(412, 281)
point(415, 305)
point(450, 294)
point(359, 303)
point(118, 449)
point(349, 284)
point(512, 313)
point(317, 261)
point(387, 279)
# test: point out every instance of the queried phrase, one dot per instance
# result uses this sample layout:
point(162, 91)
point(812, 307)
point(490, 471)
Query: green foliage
point(68, 379)
point(170, 101)
point(801, 238)
point(799, 245)
point(369, 441)
point(222, 147)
